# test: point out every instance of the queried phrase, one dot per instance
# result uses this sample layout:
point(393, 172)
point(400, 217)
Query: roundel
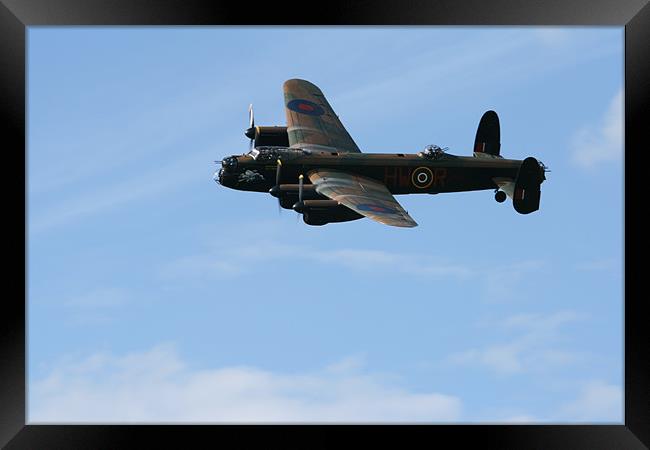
point(422, 177)
point(305, 107)
point(380, 209)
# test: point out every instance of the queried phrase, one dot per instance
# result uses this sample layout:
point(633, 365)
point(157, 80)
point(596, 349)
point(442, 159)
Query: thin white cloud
point(552, 36)
point(597, 401)
point(596, 144)
point(598, 265)
point(502, 281)
point(98, 298)
point(108, 197)
point(594, 401)
point(225, 262)
point(448, 75)
point(531, 349)
point(414, 76)
point(521, 418)
point(359, 259)
point(539, 324)
point(95, 307)
point(202, 267)
point(503, 359)
point(348, 364)
point(157, 386)
point(108, 147)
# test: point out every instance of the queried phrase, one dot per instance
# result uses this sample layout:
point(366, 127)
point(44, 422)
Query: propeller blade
point(277, 173)
point(299, 206)
point(277, 183)
point(250, 131)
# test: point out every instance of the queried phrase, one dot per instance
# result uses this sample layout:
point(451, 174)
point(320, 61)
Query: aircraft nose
point(228, 170)
point(231, 170)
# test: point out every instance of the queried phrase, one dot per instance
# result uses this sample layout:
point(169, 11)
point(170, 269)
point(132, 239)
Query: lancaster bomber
point(315, 168)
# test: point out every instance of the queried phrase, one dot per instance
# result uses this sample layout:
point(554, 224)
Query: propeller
point(299, 207)
point(250, 131)
point(277, 184)
point(544, 168)
point(275, 190)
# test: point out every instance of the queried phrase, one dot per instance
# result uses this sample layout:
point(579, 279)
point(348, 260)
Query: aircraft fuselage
point(401, 173)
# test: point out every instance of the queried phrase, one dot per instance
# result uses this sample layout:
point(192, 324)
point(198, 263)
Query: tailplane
point(525, 190)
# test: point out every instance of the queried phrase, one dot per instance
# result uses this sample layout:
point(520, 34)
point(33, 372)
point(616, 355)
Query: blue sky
point(156, 295)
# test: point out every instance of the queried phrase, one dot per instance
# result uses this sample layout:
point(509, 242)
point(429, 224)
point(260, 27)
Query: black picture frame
point(17, 15)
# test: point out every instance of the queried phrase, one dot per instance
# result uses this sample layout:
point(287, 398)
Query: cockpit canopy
point(433, 152)
point(273, 153)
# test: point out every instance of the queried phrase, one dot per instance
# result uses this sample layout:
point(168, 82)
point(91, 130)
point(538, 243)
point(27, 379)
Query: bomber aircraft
point(315, 168)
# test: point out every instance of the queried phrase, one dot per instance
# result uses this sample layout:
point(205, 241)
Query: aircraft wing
point(311, 121)
point(363, 195)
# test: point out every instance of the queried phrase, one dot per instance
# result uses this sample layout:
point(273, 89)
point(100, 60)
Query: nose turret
point(227, 174)
point(218, 175)
point(229, 163)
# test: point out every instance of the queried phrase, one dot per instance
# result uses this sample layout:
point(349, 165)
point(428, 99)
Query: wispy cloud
point(359, 259)
point(158, 386)
point(502, 281)
point(202, 267)
point(597, 401)
point(98, 298)
point(603, 142)
point(349, 364)
point(140, 137)
point(445, 70)
point(593, 401)
point(521, 418)
point(226, 262)
point(598, 265)
point(414, 77)
point(95, 307)
point(531, 348)
point(552, 36)
point(107, 197)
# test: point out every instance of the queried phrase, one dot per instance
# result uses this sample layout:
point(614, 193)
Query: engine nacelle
point(324, 215)
point(271, 137)
point(287, 194)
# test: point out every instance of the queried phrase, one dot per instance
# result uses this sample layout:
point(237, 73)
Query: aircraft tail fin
point(488, 136)
point(527, 192)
